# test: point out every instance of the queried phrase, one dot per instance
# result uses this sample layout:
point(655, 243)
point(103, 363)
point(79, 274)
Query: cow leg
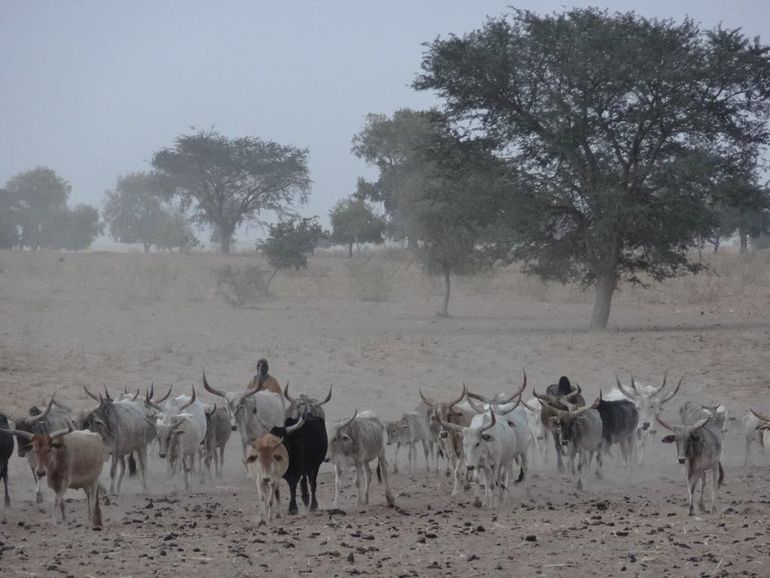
point(141, 457)
point(313, 482)
point(557, 445)
point(701, 503)
point(456, 486)
point(412, 456)
point(305, 493)
point(367, 482)
point(426, 452)
point(359, 483)
point(395, 458)
point(186, 467)
point(38, 489)
point(292, 481)
point(5, 482)
point(383, 469)
point(692, 482)
point(121, 473)
point(598, 465)
point(221, 461)
point(277, 493)
point(87, 490)
point(113, 471)
point(714, 489)
point(337, 482)
point(60, 497)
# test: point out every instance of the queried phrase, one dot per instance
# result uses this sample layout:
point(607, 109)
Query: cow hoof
point(477, 502)
point(293, 511)
point(7, 503)
point(580, 485)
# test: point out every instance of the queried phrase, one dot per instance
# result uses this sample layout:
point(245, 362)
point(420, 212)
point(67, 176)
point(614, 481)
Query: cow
point(218, 431)
point(579, 431)
point(460, 414)
point(263, 381)
point(555, 395)
point(649, 401)
point(752, 434)
point(691, 412)
point(409, 430)
point(180, 436)
point(125, 431)
point(304, 405)
point(489, 447)
point(354, 443)
point(249, 410)
point(6, 451)
point(537, 430)
point(700, 448)
point(55, 417)
point(267, 460)
point(306, 443)
point(619, 423)
point(69, 459)
point(433, 429)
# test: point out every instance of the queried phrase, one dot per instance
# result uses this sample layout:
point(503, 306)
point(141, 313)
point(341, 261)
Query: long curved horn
point(151, 393)
point(492, 423)
point(477, 396)
point(136, 395)
point(760, 416)
point(529, 407)
point(428, 402)
point(328, 397)
point(598, 400)
point(581, 410)
point(348, 422)
point(60, 432)
point(210, 389)
point(577, 392)
point(107, 393)
point(506, 412)
point(89, 394)
point(448, 426)
point(296, 426)
point(189, 403)
point(662, 385)
point(253, 391)
point(673, 393)
point(459, 399)
point(545, 398)
point(45, 413)
point(623, 390)
point(17, 432)
point(286, 393)
point(699, 424)
point(664, 424)
point(475, 405)
point(165, 397)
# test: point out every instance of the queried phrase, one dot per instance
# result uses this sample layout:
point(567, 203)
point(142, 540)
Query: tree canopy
point(228, 182)
point(290, 243)
point(620, 128)
point(355, 222)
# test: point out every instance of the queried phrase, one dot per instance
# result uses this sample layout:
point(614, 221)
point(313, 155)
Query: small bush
point(242, 286)
point(370, 280)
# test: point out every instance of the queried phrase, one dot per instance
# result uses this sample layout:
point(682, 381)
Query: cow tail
point(721, 474)
point(379, 473)
point(97, 522)
point(131, 466)
point(521, 476)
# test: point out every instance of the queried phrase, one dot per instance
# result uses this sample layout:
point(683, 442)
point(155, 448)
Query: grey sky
point(93, 88)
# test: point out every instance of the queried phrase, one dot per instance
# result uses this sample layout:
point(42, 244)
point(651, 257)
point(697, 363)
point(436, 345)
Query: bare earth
point(129, 320)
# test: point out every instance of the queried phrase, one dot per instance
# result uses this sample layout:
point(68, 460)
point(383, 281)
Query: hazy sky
point(93, 88)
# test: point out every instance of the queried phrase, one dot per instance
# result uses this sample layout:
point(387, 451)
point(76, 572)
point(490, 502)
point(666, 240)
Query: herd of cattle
point(482, 440)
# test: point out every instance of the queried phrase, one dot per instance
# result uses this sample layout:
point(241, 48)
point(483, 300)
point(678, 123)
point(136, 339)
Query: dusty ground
point(128, 320)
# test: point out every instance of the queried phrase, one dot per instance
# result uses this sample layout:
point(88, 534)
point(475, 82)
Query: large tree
point(227, 182)
point(619, 128)
point(354, 222)
point(38, 197)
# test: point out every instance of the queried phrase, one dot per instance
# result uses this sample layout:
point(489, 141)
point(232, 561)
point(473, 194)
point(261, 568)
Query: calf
point(306, 443)
point(267, 461)
point(6, 451)
point(752, 434)
point(218, 431)
point(619, 422)
point(354, 443)
point(408, 431)
point(179, 439)
point(70, 459)
point(700, 448)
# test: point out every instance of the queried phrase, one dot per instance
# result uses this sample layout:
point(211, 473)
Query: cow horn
point(60, 432)
point(286, 393)
point(279, 442)
point(210, 389)
point(151, 393)
point(459, 399)
point(623, 389)
point(699, 424)
point(107, 393)
point(136, 395)
point(17, 432)
point(125, 390)
point(664, 424)
point(255, 390)
point(506, 412)
point(189, 403)
point(448, 426)
point(581, 410)
point(89, 394)
point(328, 397)
point(662, 385)
point(760, 416)
point(578, 390)
point(296, 426)
point(673, 393)
point(45, 413)
point(598, 400)
point(478, 397)
point(474, 404)
point(348, 422)
point(633, 385)
point(428, 402)
point(492, 423)
point(165, 397)
point(547, 399)
point(529, 407)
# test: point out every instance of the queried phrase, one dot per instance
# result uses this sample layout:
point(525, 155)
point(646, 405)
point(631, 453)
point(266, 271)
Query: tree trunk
point(350, 250)
point(224, 242)
point(717, 241)
point(447, 287)
point(411, 243)
point(743, 234)
point(269, 280)
point(605, 286)
point(146, 248)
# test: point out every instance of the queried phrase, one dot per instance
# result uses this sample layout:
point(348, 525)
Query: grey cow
point(218, 430)
point(410, 430)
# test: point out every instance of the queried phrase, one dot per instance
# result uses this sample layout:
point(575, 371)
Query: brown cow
point(267, 460)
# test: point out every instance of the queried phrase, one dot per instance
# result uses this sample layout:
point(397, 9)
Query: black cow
point(6, 450)
point(619, 421)
point(307, 447)
point(554, 394)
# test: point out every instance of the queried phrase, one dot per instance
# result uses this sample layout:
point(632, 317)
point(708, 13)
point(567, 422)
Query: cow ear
point(405, 426)
point(178, 432)
point(487, 437)
point(346, 437)
point(669, 439)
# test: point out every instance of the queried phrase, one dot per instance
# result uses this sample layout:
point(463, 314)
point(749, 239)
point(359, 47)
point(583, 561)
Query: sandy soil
point(129, 320)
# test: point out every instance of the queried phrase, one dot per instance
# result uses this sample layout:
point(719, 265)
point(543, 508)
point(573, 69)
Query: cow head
point(649, 401)
point(168, 437)
point(398, 431)
point(446, 411)
point(37, 422)
point(303, 404)
point(682, 436)
point(562, 420)
point(476, 442)
point(44, 447)
point(267, 458)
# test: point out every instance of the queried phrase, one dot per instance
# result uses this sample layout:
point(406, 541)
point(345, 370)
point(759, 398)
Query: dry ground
point(128, 320)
